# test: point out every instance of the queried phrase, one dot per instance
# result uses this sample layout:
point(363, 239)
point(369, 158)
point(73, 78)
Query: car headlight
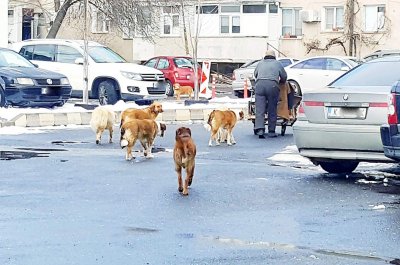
point(64, 81)
point(24, 81)
point(133, 76)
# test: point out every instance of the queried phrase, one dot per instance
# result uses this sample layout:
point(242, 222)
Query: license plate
point(46, 90)
point(346, 113)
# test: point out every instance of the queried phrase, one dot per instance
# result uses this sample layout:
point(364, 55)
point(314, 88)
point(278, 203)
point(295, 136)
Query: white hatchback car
point(317, 72)
point(110, 77)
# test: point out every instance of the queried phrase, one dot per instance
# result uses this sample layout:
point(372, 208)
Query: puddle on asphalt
point(62, 143)
point(27, 153)
point(14, 155)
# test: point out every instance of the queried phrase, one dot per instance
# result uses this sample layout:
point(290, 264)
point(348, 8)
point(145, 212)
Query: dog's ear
point(189, 131)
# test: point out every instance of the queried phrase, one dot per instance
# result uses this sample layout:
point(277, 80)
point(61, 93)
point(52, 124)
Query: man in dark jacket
point(268, 73)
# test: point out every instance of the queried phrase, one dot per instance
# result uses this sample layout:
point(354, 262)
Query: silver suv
point(110, 77)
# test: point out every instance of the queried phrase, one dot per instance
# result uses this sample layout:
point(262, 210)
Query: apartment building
point(232, 31)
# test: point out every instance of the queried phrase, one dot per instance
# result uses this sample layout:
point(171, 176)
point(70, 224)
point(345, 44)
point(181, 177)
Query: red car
point(176, 69)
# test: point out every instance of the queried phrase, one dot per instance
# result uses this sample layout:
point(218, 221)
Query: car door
point(66, 63)
point(309, 74)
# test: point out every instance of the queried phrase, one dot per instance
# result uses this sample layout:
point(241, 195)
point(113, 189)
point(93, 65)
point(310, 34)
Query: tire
point(107, 93)
point(169, 90)
point(2, 98)
point(339, 167)
point(296, 87)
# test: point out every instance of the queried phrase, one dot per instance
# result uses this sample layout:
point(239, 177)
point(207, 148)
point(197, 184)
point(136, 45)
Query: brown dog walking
point(184, 157)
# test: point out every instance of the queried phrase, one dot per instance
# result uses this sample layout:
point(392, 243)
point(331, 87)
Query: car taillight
point(233, 76)
point(392, 113)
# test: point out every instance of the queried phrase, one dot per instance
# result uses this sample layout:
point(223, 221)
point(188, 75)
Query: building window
point(374, 18)
point(273, 8)
point(291, 23)
point(254, 9)
point(334, 18)
point(230, 24)
point(230, 8)
point(207, 9)
point(100, 22)
point(171, 24)
point(171, 20)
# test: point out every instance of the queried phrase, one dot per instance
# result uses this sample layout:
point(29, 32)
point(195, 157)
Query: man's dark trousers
point(267, 91)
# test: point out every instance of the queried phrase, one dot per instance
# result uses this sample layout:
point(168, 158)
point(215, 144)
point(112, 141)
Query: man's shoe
point(259, 132)
point(272, 135)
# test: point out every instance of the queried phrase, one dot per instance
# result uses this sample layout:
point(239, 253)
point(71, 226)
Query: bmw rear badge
point(49, 81)
point(345, 97)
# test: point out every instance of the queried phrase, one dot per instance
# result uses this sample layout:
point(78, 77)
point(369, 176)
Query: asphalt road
point(66, 200)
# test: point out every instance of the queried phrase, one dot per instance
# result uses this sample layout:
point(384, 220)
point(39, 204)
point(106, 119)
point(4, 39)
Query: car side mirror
point(37, 66)
point(79, 61)
point(345, 68)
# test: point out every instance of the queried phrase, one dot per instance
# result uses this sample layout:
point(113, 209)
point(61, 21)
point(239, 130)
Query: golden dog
point(182, 90)
point(151, 112)
point(184, 157)
point(102, 119)
point(221, 124)
point(143, 130)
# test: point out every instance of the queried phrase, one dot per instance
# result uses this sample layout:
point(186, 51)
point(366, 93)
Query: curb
point(83, 117)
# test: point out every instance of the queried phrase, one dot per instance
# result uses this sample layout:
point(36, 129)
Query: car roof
point(59, 41)
point(384, 59)
point(332, 56)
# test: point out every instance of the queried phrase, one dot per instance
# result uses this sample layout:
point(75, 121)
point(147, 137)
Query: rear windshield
point(183, 62)
point(381, 73)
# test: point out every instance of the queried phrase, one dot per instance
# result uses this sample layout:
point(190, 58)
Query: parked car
point(339, 126)
point(176, 69)
point(247, 71)
point(23, 84)
point(316, 72)
point(390, 132)
point(110, 77)
point(381, 53)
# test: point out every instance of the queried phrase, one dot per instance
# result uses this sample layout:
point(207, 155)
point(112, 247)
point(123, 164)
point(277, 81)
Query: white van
point(110, 77)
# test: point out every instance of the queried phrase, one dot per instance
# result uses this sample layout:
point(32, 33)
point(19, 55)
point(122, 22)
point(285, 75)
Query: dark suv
point(176, 69)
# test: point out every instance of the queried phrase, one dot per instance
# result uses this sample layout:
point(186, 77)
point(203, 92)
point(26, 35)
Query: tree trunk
point(55, 27)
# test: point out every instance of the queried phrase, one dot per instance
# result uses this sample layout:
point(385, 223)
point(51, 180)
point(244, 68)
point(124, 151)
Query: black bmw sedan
point(25, 85)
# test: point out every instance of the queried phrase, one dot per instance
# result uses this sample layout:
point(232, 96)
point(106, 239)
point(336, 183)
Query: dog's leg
point(190, 173)
point(178, 170)
point(111, 133)
point(229, 136)
point(98, 135)
point(129, 148)
point(232, 138)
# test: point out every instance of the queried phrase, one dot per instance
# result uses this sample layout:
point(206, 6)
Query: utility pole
point(4, 23)
point(351, 26)
point(196, 40)
point(85, 96)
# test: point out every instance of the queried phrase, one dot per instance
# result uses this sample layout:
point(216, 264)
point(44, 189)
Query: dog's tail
point(123, 142)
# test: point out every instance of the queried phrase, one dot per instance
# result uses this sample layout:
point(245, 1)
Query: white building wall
point(4, 23)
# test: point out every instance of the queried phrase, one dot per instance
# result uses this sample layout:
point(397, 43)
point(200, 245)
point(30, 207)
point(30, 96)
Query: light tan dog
point(102, 119)
point(151, 112)
point(184, 157)
point(145, 131)
point(221, 124)
point(182, 90)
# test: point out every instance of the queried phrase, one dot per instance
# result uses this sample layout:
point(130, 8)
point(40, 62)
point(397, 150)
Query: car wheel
point(2, 98)
point(296, 87)
point(107, 93)
point(169, 91)
point(339, 166)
